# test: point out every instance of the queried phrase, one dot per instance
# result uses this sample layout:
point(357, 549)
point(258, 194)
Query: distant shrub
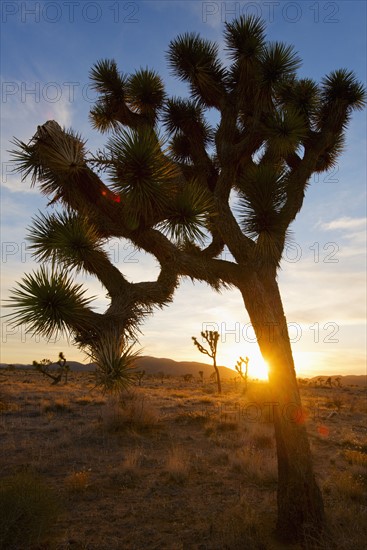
point(135, 412)
point(29, 510)
point(177, 465)
point(78, 482)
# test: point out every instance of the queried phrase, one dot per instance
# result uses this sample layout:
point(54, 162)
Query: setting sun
point(257, 367)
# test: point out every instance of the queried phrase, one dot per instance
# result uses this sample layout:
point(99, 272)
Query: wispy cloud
point(345, 223)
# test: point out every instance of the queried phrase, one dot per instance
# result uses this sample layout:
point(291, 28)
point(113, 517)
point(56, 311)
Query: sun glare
point(257, 367)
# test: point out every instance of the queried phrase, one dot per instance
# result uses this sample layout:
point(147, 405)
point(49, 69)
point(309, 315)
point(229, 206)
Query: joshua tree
point(173, 180)
point(44, 367)
point(337, 381)
point(238, 368)
point(139, 376)
point(211, 337)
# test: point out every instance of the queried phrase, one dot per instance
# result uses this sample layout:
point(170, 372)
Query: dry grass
point(135, 412)
point(29, 511)
point(175, 467)
point(238, 528)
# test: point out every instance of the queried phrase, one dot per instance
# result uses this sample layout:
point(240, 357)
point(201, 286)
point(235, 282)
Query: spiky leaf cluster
point(66, 237)
point(140, 173)
point(187, 215)
point(50, 156)
point(114, 360)
point(195, 60)
point(49, 302)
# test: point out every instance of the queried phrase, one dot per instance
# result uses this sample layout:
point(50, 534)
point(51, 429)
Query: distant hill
point(151, 365)
point(346, 380)
point(74, 366)
point(155, 365)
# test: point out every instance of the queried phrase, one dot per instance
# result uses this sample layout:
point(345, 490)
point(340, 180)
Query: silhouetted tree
point(56, 376)
point(211, 337)
point(238, 367)
point(173, 180)
point(139, 376)
point(337, 381)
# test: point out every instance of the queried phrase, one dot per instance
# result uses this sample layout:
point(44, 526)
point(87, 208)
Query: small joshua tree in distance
point(238, 368)
point(211, 337)
point(56, 377)
point(139, 376)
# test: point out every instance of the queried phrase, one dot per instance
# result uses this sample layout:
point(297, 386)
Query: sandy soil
point(175, 466)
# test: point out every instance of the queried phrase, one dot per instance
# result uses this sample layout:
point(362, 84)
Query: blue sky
point(48, 49)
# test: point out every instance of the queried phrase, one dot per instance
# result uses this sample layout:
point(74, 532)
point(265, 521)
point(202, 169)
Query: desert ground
point(171, 465)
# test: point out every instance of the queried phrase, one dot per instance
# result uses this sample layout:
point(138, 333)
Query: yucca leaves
point(187, 117)
point(278, 61)
point(181, 148)
point(341, 93)
point(145, 92)
point(188, 214)
point(285, 130)
point(114, 361)
point(260, 210)
point(245, 38)
point(103, 115)
point(48, 302)
point(262, 195)
point(140, 171)
point(26, 161)
point(66, 237)
point(342, 86)
point(331, 154)
point(107, 79)
point(111, 85)
point(52, 154)
point(195, 60)
point(301, 96)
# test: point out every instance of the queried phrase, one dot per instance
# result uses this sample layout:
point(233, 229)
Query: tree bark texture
point(300, 504)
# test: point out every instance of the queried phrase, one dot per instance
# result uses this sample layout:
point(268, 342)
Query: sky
point(47, 51)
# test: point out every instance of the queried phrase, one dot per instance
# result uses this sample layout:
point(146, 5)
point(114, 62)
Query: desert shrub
point(78, 482)
point(57, 406)
point(347, 528)
point(132, 460)
point(177, 465)
point(258, 467)
point(135, 412)
point(343, 485)
point(29, 510)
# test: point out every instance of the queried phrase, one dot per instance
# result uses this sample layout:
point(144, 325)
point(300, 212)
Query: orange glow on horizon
point(257, 367)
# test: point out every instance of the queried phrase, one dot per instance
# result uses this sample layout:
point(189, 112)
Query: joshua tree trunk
point(300, 505)
point(219, 384)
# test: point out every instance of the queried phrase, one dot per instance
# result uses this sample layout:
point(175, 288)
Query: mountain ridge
point(156, 365)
